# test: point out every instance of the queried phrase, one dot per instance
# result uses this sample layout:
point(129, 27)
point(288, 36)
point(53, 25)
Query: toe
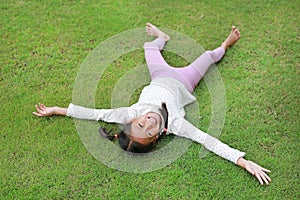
point(150, 25)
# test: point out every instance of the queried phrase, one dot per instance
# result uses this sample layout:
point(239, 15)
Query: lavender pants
point(190, 75)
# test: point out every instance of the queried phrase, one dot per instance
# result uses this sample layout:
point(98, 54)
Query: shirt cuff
point(70, 110)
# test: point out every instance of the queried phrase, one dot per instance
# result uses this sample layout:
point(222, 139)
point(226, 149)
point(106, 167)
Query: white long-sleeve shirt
point(176, 96)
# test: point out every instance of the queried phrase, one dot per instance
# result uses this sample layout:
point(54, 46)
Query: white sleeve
point(187, 130)
point(118, 115)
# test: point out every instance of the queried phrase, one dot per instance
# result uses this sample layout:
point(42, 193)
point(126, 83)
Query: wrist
point(60, 111)
point(55, 110)
point(241, 162)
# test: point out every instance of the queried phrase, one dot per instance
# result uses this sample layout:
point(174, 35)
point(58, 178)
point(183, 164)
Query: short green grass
point(43, 44)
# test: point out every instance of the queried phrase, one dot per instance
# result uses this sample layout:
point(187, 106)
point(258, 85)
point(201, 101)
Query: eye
point(149, 134)
point(140, 125)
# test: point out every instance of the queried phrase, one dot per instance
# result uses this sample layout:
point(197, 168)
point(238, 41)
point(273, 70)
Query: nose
point(142, 121)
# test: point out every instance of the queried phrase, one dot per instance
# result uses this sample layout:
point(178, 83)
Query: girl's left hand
point(256, 170)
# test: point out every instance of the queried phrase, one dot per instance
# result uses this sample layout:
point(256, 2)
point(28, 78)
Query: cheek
point(155, 131)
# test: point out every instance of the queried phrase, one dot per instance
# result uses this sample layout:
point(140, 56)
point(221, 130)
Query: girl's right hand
point(43, 111)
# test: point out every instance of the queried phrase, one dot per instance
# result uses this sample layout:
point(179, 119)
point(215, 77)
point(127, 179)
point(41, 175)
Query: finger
point(266, 170)
point(40, 106)
point(43, 107)
point(266, 175)
point(37, 114)
point(264, 178)
point(259, 178)
point(37, 108)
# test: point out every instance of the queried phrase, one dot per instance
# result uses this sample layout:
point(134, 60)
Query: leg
point(152, 53)
point(155, 62)
point(196, 70)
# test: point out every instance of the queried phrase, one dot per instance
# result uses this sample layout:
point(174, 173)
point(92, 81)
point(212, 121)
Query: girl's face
point(145, 128)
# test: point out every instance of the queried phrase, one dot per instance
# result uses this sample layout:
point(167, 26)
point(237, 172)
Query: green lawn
point(43, 44)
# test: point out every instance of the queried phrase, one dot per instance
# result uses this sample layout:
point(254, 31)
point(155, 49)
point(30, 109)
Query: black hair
point(124, 140)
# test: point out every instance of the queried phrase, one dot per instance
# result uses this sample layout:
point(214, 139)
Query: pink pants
point(189, 75)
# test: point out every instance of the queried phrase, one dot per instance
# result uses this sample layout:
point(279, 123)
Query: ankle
point(225, 46)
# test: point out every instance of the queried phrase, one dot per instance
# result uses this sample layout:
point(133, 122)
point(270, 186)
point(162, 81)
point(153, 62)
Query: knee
point(216, 54)
point(212, 56)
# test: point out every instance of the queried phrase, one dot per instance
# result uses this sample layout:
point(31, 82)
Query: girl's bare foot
point(233, 37)
point(154, 31)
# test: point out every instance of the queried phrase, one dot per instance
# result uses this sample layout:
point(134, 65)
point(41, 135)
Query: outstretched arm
point(43, 111)
point(117, 115)
point(223, 150)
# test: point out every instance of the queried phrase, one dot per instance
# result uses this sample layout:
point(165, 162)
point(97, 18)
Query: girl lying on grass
point(160, 108)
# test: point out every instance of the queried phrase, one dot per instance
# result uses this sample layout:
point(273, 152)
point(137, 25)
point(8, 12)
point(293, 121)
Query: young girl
point(160, 108)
